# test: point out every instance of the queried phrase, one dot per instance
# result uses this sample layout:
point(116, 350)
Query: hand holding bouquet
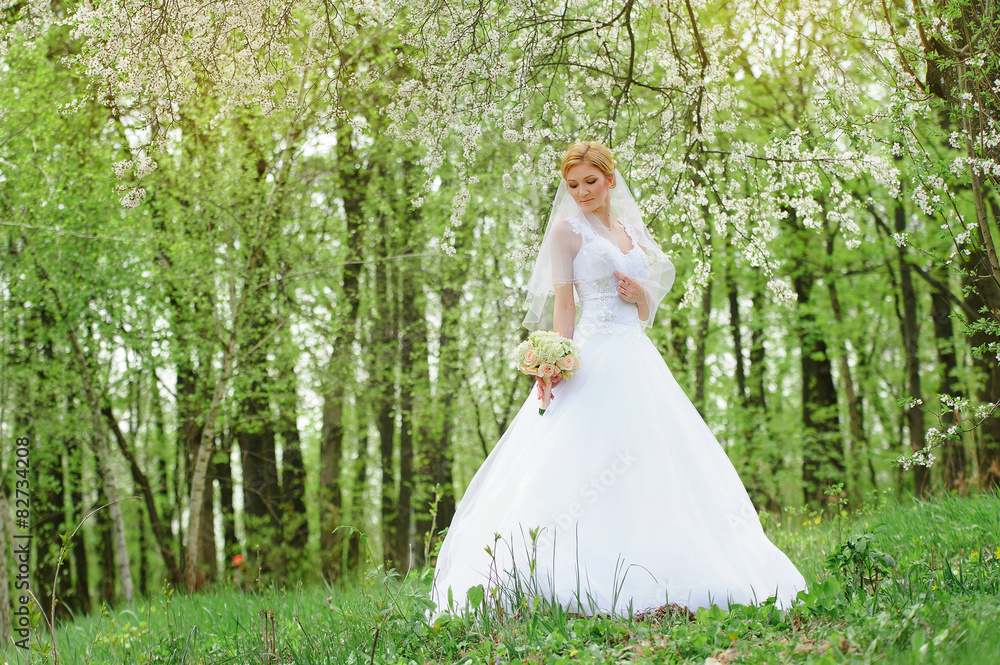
point(548, 356)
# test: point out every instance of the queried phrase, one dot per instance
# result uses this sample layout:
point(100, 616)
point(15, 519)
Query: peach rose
point(546, 369)
point(567, 364)
point(530, 357)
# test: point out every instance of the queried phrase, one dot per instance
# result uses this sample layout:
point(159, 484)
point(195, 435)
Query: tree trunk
point(340, 372)
point(224, 473)
point(911, 348)
point(256, 437)
point(104, 468)
point(242, 315)
point(701, 341)
point(679, 346)
point(855, 412)
point(189, 433)
point(949, 78)
point(823, 464)
point(415, 392)
point(190, 327)
point(294, 524)
point(735, 329)
point(207, 550)
point(986, 294)
point(385, 350)
point(100, 442)
point(758, 391)
point(748, 417)
point(79, 599)
point(143, 558)
point(200, 468)
point(438, 458)
point(360, 469)
point(823, 452)
point(194, 577)
point(292, 511)
point(142, 482)
point(330, 492)
point(858, 441)
point(48, 518)
point(106, 591)
point(953, 458)
point(48, 507)
point(404, 507)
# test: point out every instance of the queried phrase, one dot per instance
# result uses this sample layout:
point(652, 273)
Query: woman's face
point(589, 187)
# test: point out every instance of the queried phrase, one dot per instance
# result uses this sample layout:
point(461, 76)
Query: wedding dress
point(635, 503)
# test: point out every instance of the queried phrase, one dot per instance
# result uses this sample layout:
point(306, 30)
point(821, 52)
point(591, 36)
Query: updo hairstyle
point(589, 152)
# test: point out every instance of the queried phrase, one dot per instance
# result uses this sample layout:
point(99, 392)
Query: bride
point(618, 498)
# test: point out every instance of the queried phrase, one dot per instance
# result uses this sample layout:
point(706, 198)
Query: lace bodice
point(603, 311)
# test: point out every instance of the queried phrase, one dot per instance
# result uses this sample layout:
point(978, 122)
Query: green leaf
point(475, 595)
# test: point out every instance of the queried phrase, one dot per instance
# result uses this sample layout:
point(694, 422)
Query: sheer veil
point(549, 270)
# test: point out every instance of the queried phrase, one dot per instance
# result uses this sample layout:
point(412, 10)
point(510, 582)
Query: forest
point(263, 262)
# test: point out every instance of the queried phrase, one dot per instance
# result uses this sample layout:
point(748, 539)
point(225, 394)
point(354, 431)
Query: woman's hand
point(556, 380)
point(629, 289)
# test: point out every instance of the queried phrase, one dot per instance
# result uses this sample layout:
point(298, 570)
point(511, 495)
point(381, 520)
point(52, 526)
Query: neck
point(603, 215)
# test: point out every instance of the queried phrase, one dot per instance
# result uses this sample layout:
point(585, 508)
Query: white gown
point(637, 504)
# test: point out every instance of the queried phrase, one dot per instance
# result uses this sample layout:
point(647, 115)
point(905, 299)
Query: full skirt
point(618, 499)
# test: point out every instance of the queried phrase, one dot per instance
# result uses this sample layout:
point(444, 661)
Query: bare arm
point(564, 314)
point(643, 304)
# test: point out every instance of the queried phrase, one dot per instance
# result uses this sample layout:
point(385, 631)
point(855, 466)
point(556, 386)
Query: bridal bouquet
point(547, 355)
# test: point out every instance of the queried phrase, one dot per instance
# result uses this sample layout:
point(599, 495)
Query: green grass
point(935, 601)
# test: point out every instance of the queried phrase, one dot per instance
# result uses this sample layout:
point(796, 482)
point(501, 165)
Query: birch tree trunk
point(100, 434)
point(140, 479)
point(117, 520)
point(270, 211)
point(104, 465)
point(340, 374)
point(415, 391)
point(200, 472)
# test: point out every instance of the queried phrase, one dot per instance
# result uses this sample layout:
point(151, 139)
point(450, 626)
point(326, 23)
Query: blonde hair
point(589, 152)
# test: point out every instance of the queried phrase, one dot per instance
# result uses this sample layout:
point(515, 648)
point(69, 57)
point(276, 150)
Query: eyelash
point(575, 186)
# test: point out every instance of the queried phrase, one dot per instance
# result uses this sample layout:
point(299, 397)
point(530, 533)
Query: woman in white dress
point(619, 498)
